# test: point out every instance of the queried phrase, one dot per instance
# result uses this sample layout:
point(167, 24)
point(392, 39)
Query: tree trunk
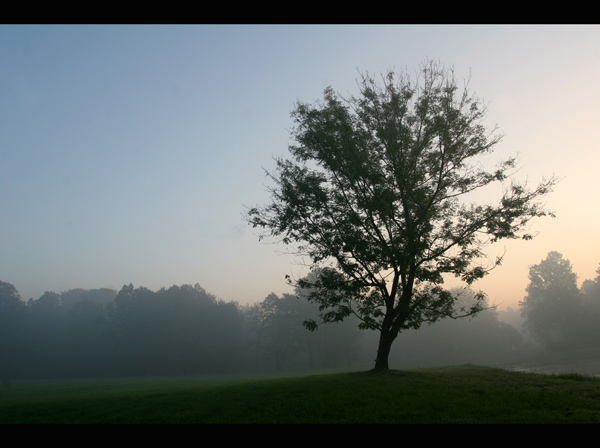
point(383, 350)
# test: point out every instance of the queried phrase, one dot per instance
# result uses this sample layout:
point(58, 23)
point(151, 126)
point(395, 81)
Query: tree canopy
point(554, 309)
point(373, 195)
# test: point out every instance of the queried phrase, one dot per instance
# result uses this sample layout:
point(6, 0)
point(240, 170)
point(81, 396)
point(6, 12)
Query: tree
point(101, 296)
point(13, 312)
point(590, 290)
point(591, 293)
point(277, 332)
point(372, 191)
point(553, 306)
point(9, 296)
point(281, 322)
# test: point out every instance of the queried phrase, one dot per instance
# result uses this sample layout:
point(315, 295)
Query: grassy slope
point(466, 394)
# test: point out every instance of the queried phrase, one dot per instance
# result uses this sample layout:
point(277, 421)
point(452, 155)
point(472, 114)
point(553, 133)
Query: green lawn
point(466, 394)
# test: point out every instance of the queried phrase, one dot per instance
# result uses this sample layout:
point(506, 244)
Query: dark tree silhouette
point(372, 195)
point(278, 338)
point(13, 312)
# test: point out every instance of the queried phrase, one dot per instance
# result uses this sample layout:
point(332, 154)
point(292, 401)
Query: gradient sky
point(129, 153)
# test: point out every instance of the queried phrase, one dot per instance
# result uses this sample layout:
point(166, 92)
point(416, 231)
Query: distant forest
point(185, 330)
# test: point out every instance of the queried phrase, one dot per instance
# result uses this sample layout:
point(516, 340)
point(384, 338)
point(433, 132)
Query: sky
point(129, 154)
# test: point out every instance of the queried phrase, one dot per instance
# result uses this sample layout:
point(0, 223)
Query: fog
point(186, 330)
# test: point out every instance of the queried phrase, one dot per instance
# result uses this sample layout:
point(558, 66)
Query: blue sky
point(128, 153)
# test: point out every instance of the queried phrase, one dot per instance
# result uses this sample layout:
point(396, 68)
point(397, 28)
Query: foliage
point(137, 331)
point(590, 290)
point(553, 306)
point(557, 313)
point(280, 339)
point(374, 195)
point(281, 327)
point(13, 312)
point(101, 296)
point(180, 330)
point(9, 296)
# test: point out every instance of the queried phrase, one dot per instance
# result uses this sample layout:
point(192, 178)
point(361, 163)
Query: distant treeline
point(184, 330)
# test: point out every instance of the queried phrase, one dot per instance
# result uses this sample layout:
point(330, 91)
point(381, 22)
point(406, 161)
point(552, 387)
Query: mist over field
point(186, 330)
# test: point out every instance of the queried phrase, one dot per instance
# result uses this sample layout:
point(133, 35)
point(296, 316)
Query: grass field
point(465, 394)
